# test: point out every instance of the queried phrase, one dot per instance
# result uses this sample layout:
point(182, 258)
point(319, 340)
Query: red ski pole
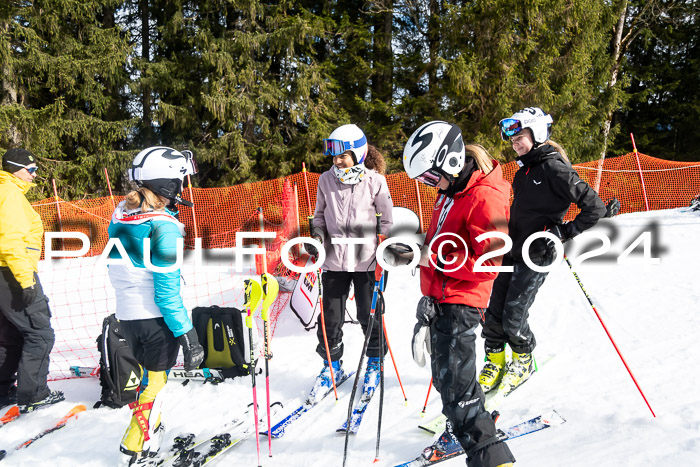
point(609, 336)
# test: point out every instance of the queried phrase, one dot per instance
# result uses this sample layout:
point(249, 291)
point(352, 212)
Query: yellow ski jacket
point(21, 230)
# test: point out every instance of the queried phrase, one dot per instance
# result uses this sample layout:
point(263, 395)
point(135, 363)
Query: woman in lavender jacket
point(349, 197)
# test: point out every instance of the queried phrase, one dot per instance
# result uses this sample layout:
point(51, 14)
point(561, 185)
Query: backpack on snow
point(120, 372)
point(224, 337)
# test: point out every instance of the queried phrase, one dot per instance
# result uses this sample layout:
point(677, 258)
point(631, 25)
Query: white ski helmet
point(161, 170)
point(346, 138)
point(433, 150)
point(533, 118)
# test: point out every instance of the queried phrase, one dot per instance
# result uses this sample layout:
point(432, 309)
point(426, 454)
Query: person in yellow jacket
point(26, 336)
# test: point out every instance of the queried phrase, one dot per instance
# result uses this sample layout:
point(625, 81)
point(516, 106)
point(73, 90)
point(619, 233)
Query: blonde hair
point(375, 160)
point(482, 157)
point(145, 199)
point(559, 149)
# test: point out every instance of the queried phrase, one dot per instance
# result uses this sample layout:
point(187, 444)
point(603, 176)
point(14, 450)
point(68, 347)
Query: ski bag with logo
point(120, 372)
point(222, 334)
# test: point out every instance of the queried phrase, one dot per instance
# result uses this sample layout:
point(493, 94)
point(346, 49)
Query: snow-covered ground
point(651, 312)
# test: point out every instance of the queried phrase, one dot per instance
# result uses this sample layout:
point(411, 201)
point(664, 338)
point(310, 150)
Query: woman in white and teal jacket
point(153, 318)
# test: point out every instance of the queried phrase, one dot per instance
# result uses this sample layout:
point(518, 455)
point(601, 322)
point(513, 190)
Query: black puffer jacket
point(544, 188)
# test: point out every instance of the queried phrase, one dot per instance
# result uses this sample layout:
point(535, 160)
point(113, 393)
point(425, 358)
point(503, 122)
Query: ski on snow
point(430, 456)
point(73, 413)
point(279, 429)
point(11, 414)
point(358, 411)
point(187, 450)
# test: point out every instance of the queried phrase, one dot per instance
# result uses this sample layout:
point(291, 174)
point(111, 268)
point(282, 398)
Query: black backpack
point(224, 337)
point(120, 372)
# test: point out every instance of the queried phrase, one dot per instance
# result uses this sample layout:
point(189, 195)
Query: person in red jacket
point(473, 200)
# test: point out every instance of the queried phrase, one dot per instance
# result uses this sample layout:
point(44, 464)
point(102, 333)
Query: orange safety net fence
point(81, 295)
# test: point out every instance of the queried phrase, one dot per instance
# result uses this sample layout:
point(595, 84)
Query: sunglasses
point(430, 177)
point(335, 147)
point(32, 170)
point(510, 127)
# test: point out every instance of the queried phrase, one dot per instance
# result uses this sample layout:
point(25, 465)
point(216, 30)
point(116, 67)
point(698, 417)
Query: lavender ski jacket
point(350, 211)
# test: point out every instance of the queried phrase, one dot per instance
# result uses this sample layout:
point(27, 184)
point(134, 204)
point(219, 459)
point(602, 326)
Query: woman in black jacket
point(544, 188)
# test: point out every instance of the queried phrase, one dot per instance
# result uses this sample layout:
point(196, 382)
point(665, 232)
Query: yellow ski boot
point(142, 437)
point(518, 371)
point(493, 371)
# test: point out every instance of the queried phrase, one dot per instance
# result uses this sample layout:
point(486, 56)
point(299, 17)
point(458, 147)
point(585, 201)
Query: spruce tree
point(63, 72)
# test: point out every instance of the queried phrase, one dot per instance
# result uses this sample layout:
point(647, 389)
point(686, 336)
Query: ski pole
point(253, 289)
point(426, 398)
point(609, 336)
point(386, 338)
point(323, 320)
point(320, 288)
point(268, 283)
point(270, 288)
point(380, 323)
point(378, 280)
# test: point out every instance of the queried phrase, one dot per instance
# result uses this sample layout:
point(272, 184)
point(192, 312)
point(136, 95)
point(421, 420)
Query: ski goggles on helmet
point(430, 177)
point(510, 127)
point(335, 147)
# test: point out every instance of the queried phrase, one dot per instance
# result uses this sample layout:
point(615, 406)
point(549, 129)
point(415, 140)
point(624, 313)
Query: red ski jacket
point(483, 206)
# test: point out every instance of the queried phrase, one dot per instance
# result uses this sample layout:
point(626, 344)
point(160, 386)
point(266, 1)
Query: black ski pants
point(10, 352)
point(511, 298)
point(34, 326)
point(336, 287)
point(151, 342)
point(453, 365)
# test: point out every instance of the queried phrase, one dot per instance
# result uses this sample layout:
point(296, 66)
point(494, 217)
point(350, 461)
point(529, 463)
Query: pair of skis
point(13, 414)
point(191, 450)
point(257, 295)
point(431, 455)
point(280, 428)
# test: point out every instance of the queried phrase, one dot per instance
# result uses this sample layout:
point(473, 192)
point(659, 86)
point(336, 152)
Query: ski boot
point(53, 398)
point(143, 437)
point(10, 398)
point(493, 371)
point(323, 383)
point(518, 371)
point(444, 448)
point(371, 377)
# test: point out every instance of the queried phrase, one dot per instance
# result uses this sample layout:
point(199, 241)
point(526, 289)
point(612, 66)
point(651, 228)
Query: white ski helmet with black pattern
point(436, 147)
point(162, 170)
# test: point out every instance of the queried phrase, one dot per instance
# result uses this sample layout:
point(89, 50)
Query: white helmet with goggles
point(533, 118)
point(346, 138)
point(161, 170)
point(433, 150)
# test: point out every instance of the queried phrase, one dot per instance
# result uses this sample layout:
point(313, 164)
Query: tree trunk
point(145, 55)
point(9, 88)
point(616, 56)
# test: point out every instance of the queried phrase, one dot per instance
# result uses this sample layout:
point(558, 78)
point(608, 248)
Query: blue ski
point(279, 429)
point(358, 411)
point(450, 450)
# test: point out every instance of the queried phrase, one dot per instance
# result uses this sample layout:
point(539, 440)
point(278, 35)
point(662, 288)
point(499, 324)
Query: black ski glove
point(311, 249)
point(398, 254)
point(191, 350)
point(425, 314)
point(613, 208)
point(28, 295)
point(426, 310)
point(564, 232)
